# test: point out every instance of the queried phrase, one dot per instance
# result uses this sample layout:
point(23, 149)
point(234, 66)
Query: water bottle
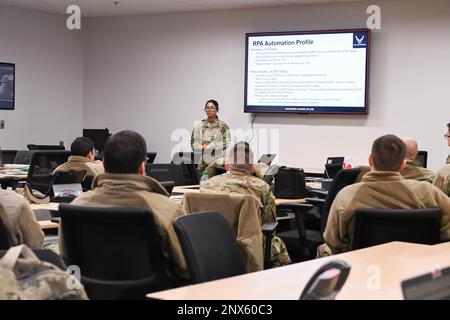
point(204, 177)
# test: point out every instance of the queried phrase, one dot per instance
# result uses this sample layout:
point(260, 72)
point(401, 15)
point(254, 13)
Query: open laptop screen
point(430, 286)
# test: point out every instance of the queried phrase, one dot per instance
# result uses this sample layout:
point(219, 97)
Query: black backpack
point(290, 183)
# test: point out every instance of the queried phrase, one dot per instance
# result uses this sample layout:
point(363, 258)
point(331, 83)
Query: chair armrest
point(315, 201)
point(269, 227)
point(295, 206)
point(321, 193)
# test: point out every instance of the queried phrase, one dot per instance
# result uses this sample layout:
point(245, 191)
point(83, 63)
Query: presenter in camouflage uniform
point(210, 137)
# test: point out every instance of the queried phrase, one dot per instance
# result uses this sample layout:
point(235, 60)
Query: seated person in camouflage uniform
point(19, 219)
point(124, 184)
point(239, 179)
point(82, 157)
point(382, 187)
point(413, 168)
point(218, 167)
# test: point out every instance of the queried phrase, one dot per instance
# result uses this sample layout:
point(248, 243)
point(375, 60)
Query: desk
point(395, 261)
point(194, 188)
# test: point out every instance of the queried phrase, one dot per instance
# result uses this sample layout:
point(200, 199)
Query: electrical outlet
point(2, 124)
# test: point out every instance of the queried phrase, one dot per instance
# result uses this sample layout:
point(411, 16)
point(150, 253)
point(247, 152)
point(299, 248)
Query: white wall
point(154, 73)
point(49, 78)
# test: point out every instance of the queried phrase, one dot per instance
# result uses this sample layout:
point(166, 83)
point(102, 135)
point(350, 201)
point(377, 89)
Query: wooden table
point(376, 273)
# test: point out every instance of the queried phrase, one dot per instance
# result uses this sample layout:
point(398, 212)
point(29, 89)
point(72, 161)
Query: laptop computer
point(430, 286)
point(23, 157)
point(267, 158)
point(332, 166)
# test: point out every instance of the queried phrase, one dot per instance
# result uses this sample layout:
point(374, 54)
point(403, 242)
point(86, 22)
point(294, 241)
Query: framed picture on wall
point(7, 85)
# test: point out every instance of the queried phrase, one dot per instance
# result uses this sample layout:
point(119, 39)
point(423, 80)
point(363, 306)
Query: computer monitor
point(422, 157)
point(98, 137)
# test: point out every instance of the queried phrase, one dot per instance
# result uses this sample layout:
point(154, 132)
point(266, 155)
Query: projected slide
point(7, 86)
point(319, 72)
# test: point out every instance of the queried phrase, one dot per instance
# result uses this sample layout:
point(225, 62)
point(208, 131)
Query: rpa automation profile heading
point(282, 43)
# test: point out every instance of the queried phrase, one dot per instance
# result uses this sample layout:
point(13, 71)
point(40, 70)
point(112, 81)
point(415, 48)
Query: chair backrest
point(151, 157)
point(345, 177)
point(117, 249)
point(43, 164)
point(190, 173)
point(168, 185)
point(45, 147)
point(23, 157)
point(243, 215)
point(209, 246)
point(7, 156)
point(422, 157)
point(87, 183)
point(166, 172)
point(378, 226)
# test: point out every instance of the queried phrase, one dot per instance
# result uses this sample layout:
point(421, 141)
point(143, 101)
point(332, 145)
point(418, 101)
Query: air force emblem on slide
point(359, 40)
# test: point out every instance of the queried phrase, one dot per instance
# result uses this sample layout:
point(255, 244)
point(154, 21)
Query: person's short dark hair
point(388, 153)
point(214, 102)
point(448, 126)
point(124, 152)
point(81, 146)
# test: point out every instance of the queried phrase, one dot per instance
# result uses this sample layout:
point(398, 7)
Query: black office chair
point(301, 242)
point(43, 164)
point(151, 157)
point(378, 226)
point(190, 173)
point(209, 246)
point(86, 185)
point(168, 185)
point(117, 249)
point(7, 156)
point(45, 147)
point(422, 157)
point(166, 172)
